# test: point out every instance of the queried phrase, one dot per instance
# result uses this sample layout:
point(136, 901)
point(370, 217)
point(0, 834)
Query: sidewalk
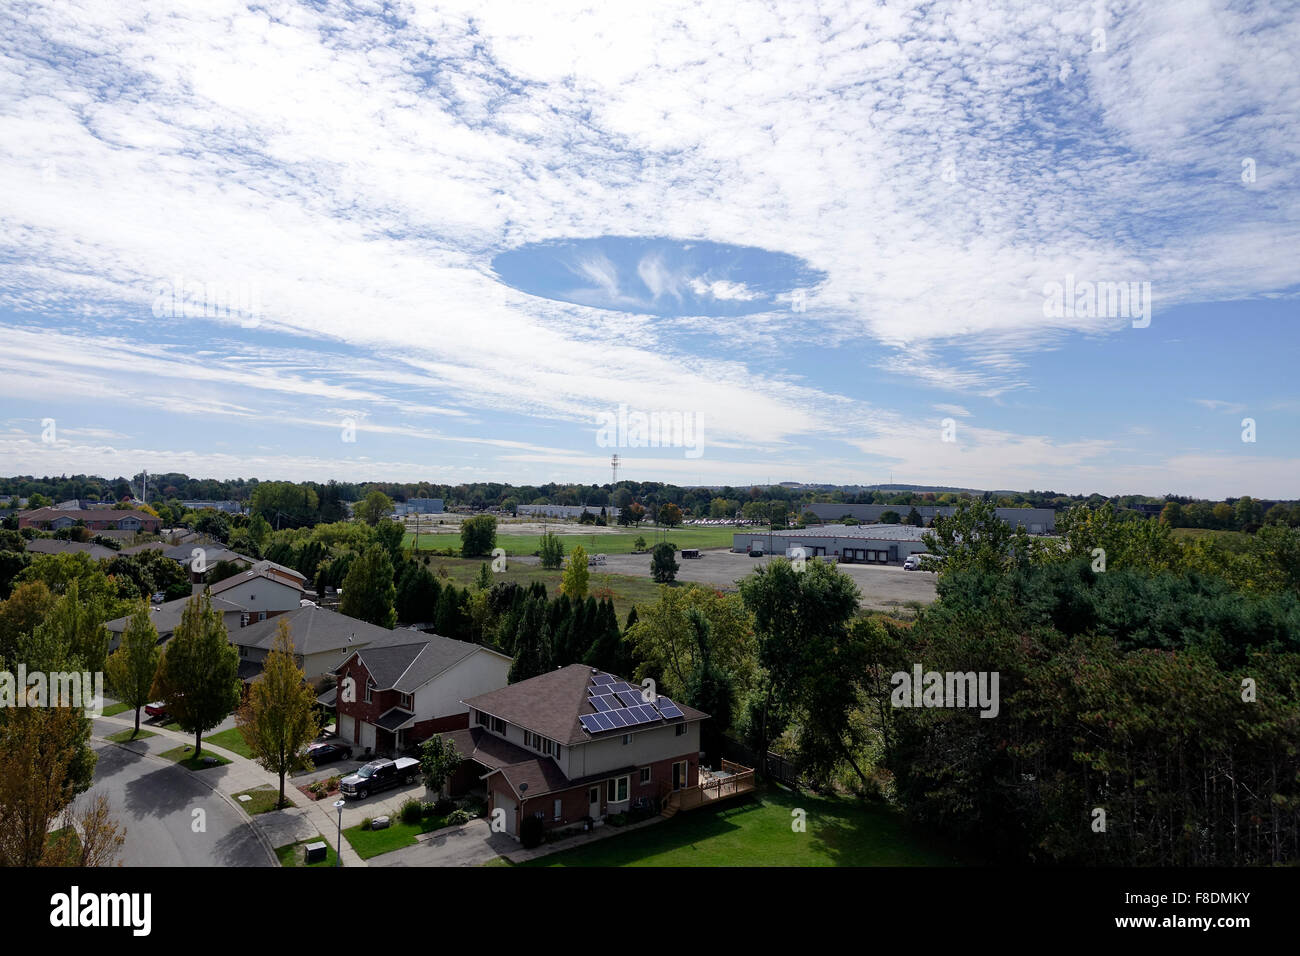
point(276, 828)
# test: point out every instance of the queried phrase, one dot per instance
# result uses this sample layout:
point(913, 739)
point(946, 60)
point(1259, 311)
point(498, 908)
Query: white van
point(913, 562)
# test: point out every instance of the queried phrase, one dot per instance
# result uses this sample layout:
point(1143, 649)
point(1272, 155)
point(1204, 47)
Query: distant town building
point(97, 519)
point(849, 544)
point(230, 507)
point(1034, 520)
point(565, 511)
point(420, 506)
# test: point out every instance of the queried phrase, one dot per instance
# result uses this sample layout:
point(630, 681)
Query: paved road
point(155, 800)
point(884, 587)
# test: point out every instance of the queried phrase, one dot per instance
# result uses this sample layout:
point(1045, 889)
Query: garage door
point(347, 728)
point(508, 805)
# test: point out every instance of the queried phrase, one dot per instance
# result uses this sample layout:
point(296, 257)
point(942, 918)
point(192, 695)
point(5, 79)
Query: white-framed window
point(404, 700)
point(498, 725)
point(681, 730)
point(559, 808)
point(369, 686)
point(645, 775)
point(616, 789)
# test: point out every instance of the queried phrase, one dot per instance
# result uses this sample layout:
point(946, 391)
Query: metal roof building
point(849, 544)
point(1035, 520)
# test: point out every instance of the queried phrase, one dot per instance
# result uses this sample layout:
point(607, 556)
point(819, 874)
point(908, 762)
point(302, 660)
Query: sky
point(732, 243)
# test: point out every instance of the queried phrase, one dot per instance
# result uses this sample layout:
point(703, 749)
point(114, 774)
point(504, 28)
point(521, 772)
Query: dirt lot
point(884, 588)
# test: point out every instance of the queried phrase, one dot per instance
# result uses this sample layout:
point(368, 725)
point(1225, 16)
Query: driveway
point(472, 844)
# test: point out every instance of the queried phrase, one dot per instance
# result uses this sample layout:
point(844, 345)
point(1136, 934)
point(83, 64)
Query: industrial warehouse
point(848, 544)
point(1034, 520)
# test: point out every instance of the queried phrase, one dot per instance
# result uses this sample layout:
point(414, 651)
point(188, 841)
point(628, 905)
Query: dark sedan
point(326, 753)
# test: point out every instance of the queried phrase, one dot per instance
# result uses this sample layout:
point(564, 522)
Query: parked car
point(157, 709)
point(756, 552)
point(690, 552)
point(380, 775)
point(327, 753)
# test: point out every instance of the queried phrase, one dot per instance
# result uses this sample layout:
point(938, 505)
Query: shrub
point(458, 816)
point(531, 832)
point(444, 806)
point(365, 823)
point(411, 810)
point(428, 809)
point(617, 820)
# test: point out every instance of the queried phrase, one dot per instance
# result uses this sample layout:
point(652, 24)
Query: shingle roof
point(52, 546)
point(316, 630)
point(394, 719)
point(409, 666)
point(551, 703)
point(262, 569)
point(166, 617)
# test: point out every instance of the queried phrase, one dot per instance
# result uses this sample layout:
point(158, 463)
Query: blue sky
point(824, 235)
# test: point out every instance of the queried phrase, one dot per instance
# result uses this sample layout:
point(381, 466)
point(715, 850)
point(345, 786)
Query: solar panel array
point(619, 704)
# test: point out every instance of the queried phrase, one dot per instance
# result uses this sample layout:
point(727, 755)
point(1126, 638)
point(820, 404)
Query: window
point(627, 739)
point(498, 725)
point(558, 807)
point(369, 684)
point(645, 775)
point(243, 651)
point(404, 700)
point(681, 730)
point(617, 789)
point(480, 718)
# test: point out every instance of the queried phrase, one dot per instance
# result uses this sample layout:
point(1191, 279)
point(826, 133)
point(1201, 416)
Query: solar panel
point(602, 679)
point(669, 709)
point(647, 712)
point(602, 721)
point(601, 703)
point(618, 718)
point(630, 699)
point(620, 686)
point(589, 723)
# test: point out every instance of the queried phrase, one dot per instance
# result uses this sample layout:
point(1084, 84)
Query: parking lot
point(884, 587)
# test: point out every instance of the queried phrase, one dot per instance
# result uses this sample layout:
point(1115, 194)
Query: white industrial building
point(1034, 520)
point(565, 511)
point(848, 544)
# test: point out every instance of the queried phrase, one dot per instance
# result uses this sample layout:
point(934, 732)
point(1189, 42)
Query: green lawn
point(112, 710)
point(185, 757)
point(627, 590)
point(756, 831)
point(294, 855)
point(231, 740)
point(369, 843)
point(262, 800)
point(124, 736)
point(1233, 540)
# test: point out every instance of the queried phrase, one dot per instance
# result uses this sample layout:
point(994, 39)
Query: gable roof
point(317, 630)
point(166, 617)
point(53, 546)
point(551, 703)
point(408, 666)
point(275, 573)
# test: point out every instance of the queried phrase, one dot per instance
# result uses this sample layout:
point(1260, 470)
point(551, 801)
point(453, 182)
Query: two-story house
point(264, 590)
point(573, 744)
point(406, 689)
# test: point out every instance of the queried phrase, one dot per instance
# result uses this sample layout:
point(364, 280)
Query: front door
point(593, 802)
point(678, 782)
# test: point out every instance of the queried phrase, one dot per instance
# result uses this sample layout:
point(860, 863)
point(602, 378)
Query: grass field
point(757, 831)
point(293, 854)
point(614, 541)
point(369, 843)
point(124, 736)
point(262, 800)
point(231, 740)
point(628, 590)
point(112, 710)
point(185, 757)
point(1234, 540)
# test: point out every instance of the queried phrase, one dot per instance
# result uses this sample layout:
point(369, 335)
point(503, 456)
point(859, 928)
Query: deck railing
point(740, 780)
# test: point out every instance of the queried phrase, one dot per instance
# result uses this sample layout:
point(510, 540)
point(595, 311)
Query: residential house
point(166, 617)
point(53, 546)
point(98, 519)
point(321, 640)
point(264, 590)
point(576, 744)
point(404, 693)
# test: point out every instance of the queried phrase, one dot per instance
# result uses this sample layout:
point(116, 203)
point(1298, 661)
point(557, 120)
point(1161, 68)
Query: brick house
point(96, 519)
point(544, 747)
point(406, 692)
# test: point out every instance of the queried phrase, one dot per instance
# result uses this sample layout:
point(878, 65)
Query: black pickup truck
point(380, 775)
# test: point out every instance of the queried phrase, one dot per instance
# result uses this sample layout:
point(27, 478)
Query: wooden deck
point(738, 781)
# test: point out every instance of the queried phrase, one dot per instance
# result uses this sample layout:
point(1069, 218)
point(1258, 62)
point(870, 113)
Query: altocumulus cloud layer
point(362, 165)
